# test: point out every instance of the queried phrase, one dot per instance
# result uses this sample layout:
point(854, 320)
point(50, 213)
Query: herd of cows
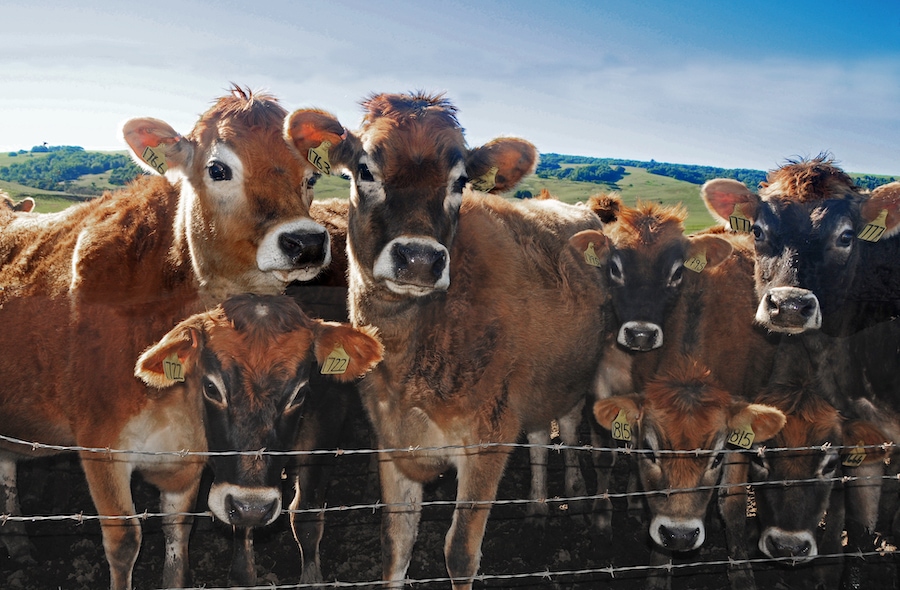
point(154, 322)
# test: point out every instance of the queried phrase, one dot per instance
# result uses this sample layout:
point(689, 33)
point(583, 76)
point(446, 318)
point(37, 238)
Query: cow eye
point(364, 174)
point(615, 270)
point(829, 466)
point(648, 452)
point(313, 180)
point(298, 396)
point(677, 273)
point(218, 171)
point(460, 184)
point(846, 238)
point(757, 233)
point(212, 392)
point(717, 461)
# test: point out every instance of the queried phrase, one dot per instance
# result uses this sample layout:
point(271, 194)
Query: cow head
point(245, 193)
point(249, 361)
point(682, 422)
point(809, 453)
point(648, 252)
point(805, 222)
point(409, 165)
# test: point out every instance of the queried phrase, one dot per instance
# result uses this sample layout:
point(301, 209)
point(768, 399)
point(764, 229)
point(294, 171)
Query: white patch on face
point(219, 495)
point(226, 194)
point(271, 258)
point(385, 270)
point(453, 200)
point(622, 337)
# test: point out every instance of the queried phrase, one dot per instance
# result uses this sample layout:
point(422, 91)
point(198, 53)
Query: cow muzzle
point(789, 310)
point(797, 546)
point(413, 266)
point(640, 336)
point(295, 251)
point(677, 534)
point(244, 506)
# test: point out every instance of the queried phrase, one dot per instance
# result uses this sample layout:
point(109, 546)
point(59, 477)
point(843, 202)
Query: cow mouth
point(411, 289)
point(306, 273)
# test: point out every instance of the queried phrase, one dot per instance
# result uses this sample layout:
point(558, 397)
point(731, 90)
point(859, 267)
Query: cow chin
point(244, 506)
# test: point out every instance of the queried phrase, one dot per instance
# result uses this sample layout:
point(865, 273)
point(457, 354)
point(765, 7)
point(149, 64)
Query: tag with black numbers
point(172, 368)
point(336, 362)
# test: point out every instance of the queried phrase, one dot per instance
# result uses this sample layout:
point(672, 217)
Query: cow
point(487, 314)
point(26, 205)
point(709, 311)
point(86, 290)
point(648, 251)
point(241, 373)
point(798, 479)
point(682, 420)
point(826, 268)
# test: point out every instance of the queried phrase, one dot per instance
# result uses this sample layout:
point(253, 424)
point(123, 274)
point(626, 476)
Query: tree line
point(65, 164)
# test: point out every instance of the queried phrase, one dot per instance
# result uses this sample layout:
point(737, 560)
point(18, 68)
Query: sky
point(728, 84)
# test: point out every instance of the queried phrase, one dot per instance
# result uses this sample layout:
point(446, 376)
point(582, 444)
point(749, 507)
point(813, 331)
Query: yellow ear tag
point(318, 157)
point(621, 427)
point(156, 157)
point(875, 228)
point(739, 221)
point(337, 362)
point(486, 181)
point(742, 436)
point(591, 257)
point(856, 457)
point(172, 368)
point(697, 262)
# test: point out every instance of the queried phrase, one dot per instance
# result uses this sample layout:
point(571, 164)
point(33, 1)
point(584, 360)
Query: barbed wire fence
point(610, 572)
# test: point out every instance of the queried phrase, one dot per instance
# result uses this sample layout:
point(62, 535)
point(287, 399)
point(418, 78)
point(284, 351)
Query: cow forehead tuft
point(809, 180)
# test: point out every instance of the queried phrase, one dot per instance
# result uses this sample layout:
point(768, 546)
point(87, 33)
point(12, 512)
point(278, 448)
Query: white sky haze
point(730, 84)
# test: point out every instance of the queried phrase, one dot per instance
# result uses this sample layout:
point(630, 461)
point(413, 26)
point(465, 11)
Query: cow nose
point(789, 309)
point(789, 547)
point(641, 338)
point(679, 538)
point(303, 248)
point(801, 306)
point(246, 512)
point(418, 263)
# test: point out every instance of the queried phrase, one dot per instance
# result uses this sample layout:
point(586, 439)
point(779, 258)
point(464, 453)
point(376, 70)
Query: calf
point(460, 287)
point(241, 373)
point(648, 251)
point(826, 267)
point(797, 481)
point(682, 421)
point(84, 291)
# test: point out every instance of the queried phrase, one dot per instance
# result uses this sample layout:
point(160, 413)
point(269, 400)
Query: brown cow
point(711, 310)
point(812, 452)
point(648, 251)
point(84, 291)
point(487, 315)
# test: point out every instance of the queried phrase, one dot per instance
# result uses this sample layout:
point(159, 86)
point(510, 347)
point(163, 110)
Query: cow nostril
point(402, 255)
point(303, 248)
point(440, 262)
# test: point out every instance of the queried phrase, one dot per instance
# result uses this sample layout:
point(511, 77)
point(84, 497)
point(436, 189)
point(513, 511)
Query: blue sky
point(731, 84)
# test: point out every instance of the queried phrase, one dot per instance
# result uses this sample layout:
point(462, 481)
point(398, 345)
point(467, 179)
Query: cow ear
point(26, 205)
point(863, 433)
point(766, 421)
point(346, 352)
point(592, 245)
point(713, 248)
point(316, 135)
point(722, 195)
point(498, 166)
point(156, 146)
point(167, 362)
point(606, 410)
point(606, 206)
point(884, 198)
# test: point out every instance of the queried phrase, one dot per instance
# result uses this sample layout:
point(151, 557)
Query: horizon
point(723, 85)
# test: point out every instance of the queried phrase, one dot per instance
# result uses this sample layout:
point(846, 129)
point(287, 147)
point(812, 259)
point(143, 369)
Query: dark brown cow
point(815, 447)
point(826, 266)
point(245, 370)
point(648, 251)
point(459, 288)
point(712, 312)
point(84, 291)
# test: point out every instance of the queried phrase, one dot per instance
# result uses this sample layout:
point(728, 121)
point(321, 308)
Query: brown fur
point(87, 289)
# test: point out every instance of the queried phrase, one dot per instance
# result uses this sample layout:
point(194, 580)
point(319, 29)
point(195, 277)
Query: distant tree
point(523, 194)
point(12, 154)
point(39, 149)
